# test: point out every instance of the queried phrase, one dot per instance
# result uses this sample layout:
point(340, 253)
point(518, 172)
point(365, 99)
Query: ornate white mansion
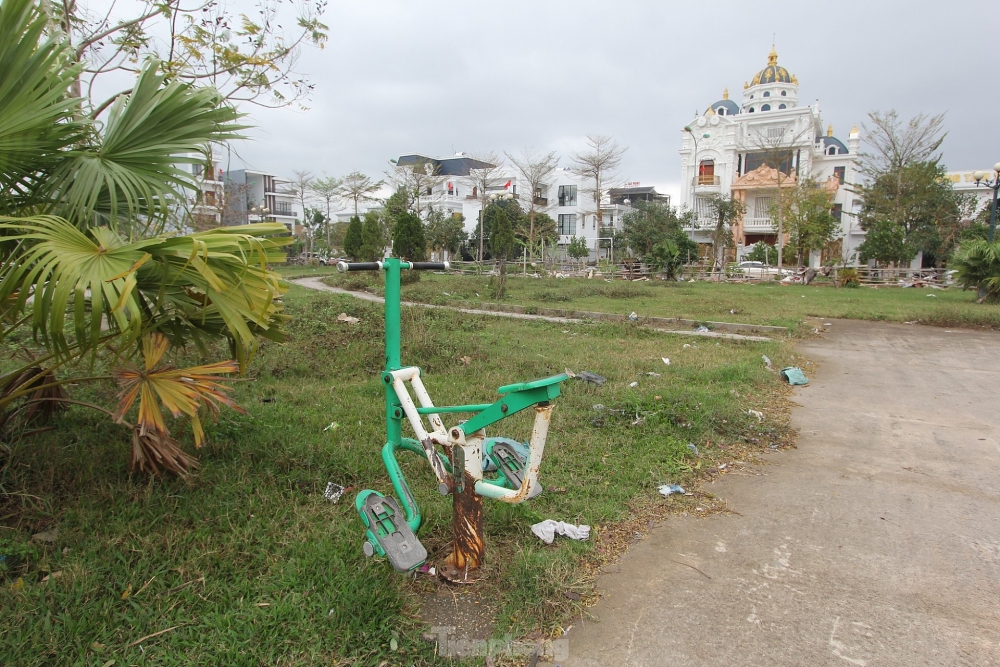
point(723, 152)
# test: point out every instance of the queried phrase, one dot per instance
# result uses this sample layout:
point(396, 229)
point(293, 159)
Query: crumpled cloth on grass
point(546, 530)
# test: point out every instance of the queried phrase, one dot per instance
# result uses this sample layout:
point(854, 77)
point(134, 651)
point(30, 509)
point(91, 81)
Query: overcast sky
point(439, 77)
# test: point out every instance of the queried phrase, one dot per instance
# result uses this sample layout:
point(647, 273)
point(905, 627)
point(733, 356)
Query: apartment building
point(256, 196)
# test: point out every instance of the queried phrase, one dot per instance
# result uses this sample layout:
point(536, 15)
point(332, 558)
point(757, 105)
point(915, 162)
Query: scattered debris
point(686, 345)
point(767, 360)
point(547, 530)
point(757, 414)
point(633, 384)
point(466, 360)
point(794, 376)
point(633, 317)
point(654, 375)
point(667, 489)
point(932, 295)
point(49, 536)
point(600, 407)
point(701, 329)
point(332, 427)
point(665, 360)
point(694, 448)
point(269, 399)
point(333, 492)
point(344, 317)
point(593, 378)
point(446, 293)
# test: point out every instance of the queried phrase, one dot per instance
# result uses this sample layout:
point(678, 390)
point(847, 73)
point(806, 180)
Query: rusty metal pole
point(462, 565)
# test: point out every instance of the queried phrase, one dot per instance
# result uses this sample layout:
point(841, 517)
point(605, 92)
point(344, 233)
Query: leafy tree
point(725, 211)
point(907, 211)
point(481, 179)
point(649, 224)
point(502, 244)
point(445, 232)
point(352, 240)
point(408, 241)
point(761, 252)
point(81, 205)
point(515, 215)
point(667, 257)
point(809, 220)
point(373, 237)
point(577, 248)
point(546, 233)
point(398, 204)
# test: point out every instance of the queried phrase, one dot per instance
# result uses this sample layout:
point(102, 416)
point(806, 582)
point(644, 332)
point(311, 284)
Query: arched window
point(781, 106)
point(751, 109)
point(767, 93)
point(721, 111)
point(784, 93)
point(832, 150)
point(766, 107)
point(751, 96)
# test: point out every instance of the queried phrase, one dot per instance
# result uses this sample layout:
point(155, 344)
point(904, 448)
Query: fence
point(888, 277)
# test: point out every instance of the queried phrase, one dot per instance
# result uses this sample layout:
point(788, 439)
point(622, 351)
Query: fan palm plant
point(977, 265)
point(83, 262)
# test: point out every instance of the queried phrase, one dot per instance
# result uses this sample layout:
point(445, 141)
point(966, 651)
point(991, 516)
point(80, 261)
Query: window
point(832, 150)
point(784, 93)
point(751, 96)
point(762, 207)
point(767, 93)
point(430, 191)
point(567, 223)
point(781, 106)
point(838, 210)
point(451, 188)
point(706, 172)
point(567, 195)
point(721, 111)
point(775, 132)
point(766, 107)
point(751, 109)
point(838, 173)
point(702, 207)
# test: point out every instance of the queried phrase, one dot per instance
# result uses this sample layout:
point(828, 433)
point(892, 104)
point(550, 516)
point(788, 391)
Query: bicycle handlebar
point(343, 267)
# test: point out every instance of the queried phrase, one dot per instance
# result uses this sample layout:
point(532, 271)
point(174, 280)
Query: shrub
point(978, 266)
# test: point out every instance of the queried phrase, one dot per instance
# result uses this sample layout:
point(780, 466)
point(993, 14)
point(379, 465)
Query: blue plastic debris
point(794, 375)
point(668, 489)
point(694, 448)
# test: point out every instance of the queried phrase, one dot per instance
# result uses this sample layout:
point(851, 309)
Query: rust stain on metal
point(462, 565)
point(432, 457)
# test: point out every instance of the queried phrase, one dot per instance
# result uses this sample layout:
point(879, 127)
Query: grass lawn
point(754, 303)
point(246, 563)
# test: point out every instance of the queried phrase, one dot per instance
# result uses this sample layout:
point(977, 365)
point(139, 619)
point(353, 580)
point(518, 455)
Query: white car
point(757, 270)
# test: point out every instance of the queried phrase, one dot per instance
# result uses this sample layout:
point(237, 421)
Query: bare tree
point(598, 164)
point(775, 147)
point(244, 58)
point(300, 187)
point(326, 189)
point(893, 146)
point(536, 169)
point(480, 180)
point(418, 181)
point(358, 188)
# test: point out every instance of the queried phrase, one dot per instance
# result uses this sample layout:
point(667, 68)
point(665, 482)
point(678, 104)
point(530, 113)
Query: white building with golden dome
point(726, 149)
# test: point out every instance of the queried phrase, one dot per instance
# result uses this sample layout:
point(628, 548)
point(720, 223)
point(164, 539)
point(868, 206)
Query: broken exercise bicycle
point(391, 523)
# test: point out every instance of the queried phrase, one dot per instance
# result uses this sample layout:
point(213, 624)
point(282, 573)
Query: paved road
point(876, 542)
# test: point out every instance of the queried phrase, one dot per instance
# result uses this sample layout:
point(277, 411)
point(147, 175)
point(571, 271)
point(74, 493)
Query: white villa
point(722, 153)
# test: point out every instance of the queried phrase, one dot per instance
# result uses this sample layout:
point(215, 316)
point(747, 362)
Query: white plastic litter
point(667, 489)
point(665, 360)
point(686, 346)
point(344, 317)
point(633, 316)
point(333, 492)
point(755, 413)
point(547, 530)
point(633, 384)
point(767, 360)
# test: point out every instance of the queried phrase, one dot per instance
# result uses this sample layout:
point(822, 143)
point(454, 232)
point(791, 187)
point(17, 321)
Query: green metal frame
point(514, 398)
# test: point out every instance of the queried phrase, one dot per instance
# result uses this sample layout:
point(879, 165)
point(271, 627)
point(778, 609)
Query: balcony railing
point(541, 201)
point(761, 224)
point(705, 179)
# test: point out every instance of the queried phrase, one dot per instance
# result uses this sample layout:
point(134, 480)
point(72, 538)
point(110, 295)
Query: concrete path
point(318, 284)
point(876, 542)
